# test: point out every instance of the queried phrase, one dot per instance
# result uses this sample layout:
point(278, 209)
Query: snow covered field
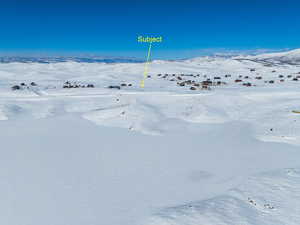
point(162, 155)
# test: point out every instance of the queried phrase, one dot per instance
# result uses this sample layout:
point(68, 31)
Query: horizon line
point(157, 54)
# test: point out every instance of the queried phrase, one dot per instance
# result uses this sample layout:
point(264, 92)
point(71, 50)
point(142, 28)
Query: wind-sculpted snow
point(268, 113)
point(69, 171)
point(270, 198)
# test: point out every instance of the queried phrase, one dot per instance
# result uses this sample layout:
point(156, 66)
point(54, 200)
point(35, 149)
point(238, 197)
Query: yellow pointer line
point(146, 66)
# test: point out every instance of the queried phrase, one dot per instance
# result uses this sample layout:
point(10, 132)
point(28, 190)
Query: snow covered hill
point(289, 57)
point(207, 141)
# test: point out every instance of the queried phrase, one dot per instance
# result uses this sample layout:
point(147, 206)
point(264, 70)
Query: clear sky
point(111, 27)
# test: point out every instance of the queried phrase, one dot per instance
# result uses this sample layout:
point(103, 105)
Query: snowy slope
point(289, 57)
point(269, 198)
point(161, 155)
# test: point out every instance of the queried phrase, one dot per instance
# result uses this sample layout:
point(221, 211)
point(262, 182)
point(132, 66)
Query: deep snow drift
point(160, 155)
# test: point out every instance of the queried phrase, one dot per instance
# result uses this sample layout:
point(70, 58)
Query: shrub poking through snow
point(16, 87)
point(114, 87)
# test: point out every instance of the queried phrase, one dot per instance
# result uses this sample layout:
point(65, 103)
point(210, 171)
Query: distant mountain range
point(269, 59)
point(287, 57)
point(87, 59)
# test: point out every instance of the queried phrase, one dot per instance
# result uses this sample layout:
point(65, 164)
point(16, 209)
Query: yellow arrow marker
point(146, 66)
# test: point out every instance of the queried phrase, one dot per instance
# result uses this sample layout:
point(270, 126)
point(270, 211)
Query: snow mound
point(269, 198)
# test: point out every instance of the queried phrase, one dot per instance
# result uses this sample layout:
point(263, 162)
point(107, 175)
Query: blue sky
point(111, 27)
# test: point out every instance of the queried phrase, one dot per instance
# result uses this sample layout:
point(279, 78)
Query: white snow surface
point(162, 155)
